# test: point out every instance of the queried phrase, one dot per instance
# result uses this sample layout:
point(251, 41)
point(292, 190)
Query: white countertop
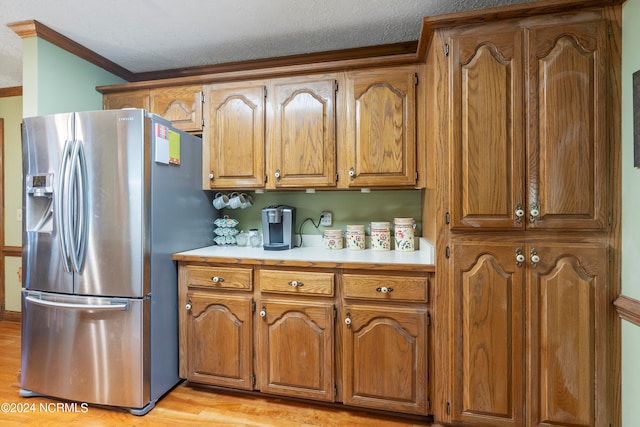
point(313, 251)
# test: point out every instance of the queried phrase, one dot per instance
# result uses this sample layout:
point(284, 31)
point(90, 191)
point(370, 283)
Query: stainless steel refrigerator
point(108, 197)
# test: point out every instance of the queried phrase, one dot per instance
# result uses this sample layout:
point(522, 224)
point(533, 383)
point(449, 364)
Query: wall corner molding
point(628, 309)
point(33, 28)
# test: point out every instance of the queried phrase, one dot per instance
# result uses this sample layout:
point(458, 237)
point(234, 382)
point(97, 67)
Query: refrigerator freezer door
point(86, 349)
point(116, 192)
point(43, 142)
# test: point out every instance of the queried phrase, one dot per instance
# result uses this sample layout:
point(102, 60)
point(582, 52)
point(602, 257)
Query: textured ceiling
point(153, 35)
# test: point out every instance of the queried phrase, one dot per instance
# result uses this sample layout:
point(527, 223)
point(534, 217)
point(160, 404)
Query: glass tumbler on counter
point(255, 239)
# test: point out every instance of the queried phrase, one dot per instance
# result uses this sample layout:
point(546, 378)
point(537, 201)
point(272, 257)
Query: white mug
point(248, 201)
point(220, 201)
point(236, 200)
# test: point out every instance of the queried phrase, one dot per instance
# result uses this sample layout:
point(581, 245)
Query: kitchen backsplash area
point(347, 207)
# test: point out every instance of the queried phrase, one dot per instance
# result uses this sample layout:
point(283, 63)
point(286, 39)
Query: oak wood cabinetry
point(525, 275)
point(529, 117)
point(375, 356)
point(216, 325)
point(379, 149)
point(296, 334)
point(385, 342)
point(181, 105)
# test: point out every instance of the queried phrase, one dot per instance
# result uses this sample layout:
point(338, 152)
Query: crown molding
point(33, 28)
point(6, 92)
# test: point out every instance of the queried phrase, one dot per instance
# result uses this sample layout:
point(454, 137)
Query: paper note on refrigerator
point(174, 148)
point(161, 136)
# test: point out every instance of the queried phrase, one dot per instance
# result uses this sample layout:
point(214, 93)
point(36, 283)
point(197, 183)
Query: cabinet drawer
point(402, 288)
point(220, 277)
point(296, 282)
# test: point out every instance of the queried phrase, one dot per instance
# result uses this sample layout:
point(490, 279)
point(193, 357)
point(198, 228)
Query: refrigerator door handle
point(59, 206)
point(78, 206)
point(115, 305)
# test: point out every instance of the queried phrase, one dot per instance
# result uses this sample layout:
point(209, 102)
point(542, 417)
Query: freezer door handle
point(115, 305)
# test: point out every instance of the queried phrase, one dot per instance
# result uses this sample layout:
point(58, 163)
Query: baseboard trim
point(12, 316)
point(628, 309)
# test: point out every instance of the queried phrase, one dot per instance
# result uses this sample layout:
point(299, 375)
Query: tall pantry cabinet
point(524, 221)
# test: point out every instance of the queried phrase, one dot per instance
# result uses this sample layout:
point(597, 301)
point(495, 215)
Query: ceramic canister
point(380, 236)
point(332, 238)
point(404, 230)
point(355, 236)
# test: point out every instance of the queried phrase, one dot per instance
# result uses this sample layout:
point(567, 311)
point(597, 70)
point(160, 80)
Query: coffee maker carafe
point(278, 227)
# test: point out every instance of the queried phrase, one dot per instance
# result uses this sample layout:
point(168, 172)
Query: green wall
point(347, 207)
point(56, 81)
point(630, 222)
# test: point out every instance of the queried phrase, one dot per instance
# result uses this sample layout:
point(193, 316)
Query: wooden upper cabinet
point(234, 148)
point(302, 139)
point(379, 149)
point(487, 135)
point(567, 121)
point(181, 105)
point(131, 99)
point(533, 159)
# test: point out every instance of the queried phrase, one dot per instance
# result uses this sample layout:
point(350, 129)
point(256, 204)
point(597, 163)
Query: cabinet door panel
point(567, 125)
point(381, 128)
point(488, 344)
point(487, 146)
point(181, 105)
point(235, 136)
point(568, 310)
point(296, 350)
point(220, 340)
point(304, 134)
point(133, 99)
point(385, 359)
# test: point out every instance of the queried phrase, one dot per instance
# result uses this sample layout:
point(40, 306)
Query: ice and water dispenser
point(39, 203)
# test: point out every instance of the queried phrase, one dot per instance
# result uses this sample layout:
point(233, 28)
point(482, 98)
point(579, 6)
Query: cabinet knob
point(295, 284)
point(352, 172)
point(277, 174)
point(519, 257)
point(347, 320)
point(217, 279)
point(534, 257)
point(211, 175)
point(188, 306)
point(534, 213)
point(384, 289)
point(263, 312)
point(519, 213)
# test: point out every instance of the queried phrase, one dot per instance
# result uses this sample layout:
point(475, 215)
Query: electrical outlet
point(326, 219)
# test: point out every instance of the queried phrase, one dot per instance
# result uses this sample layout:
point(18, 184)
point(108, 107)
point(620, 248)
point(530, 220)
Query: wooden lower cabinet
point(529, 335)
point(220, 340)
point(385, 358)
point(295, 350)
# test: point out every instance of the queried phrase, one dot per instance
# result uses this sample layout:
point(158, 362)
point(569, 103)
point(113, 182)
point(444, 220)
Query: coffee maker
point(278, 227)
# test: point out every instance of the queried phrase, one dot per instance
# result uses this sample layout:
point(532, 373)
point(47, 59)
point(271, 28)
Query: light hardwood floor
point(182, 406)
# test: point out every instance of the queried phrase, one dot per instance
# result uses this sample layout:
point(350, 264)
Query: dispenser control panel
point(40, 184)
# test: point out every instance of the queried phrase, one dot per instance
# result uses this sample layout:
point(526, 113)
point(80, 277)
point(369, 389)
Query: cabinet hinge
point(448, 408)
point(428, 404)
point(202, 96)
point(335, 313)
point(415, 79)
point(447, 252)
point(416, 175)
point(253, 379)
point(428, 319)
point(447, 218)
point(266, 178)
point(335, 85)
point(253, 306)
point(446, 49)
point(610, 218)
point(335, 390)
point(265, 91)
point(337, 177)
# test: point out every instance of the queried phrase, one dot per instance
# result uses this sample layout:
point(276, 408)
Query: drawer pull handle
point(384, 290)
point(295, 284)
point(217, 279)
